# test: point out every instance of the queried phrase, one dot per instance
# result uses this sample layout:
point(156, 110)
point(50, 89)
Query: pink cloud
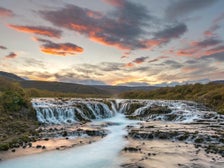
point(11, 55)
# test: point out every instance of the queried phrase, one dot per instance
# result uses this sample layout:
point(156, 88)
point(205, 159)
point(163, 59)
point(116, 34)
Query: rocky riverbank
point(57, 137)
point(167, 142)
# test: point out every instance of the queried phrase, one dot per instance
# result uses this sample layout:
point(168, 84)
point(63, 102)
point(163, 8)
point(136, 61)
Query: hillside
point(44, 88)
point(118, 89)
point(65, 88)
point(211, 94)
point(10, 76)
point(17, 117)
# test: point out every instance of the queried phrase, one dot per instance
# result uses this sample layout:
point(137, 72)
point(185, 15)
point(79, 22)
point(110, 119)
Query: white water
point(101, 154)
point(104, 153)
point(66, 111)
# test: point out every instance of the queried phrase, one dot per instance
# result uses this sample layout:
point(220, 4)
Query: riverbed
point(131, 134)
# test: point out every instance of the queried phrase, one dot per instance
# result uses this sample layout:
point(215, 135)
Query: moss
point(4, 147)
point(199, 140)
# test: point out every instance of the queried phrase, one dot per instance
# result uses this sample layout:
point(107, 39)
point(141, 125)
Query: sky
point(113, 42)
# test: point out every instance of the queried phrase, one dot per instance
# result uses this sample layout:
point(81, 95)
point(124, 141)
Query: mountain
point(63, 87)
point(104, 90)
point(119, 89)
point(218, 81)
point(11, 76)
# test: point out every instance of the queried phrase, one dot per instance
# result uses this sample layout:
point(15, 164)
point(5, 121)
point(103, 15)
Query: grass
point(211, 95)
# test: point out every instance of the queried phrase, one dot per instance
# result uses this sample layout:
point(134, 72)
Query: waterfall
point(68, 111)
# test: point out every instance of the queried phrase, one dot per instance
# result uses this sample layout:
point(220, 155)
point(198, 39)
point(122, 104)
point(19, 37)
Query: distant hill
point(218, 81)
point(105, 90)
point(119, 89)
point(11, 76)
point(63, 87)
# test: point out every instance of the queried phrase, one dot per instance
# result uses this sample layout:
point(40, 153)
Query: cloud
point(217, 56)
point(157, 59)
point(207, 42)
point(191, 62)
point(122, 28)
point(170, 32)
point(173, 64)
point(165, 35)
point(61, 49)
point(180, 8)
point(133, 84)
point(77, 78)
point(207, 46)
point(11, 55)
point(215, 50)
point(116, 3)
point(33, 63)
point(215, 25)
point(5, 12)
point(140, 60)
point(3, 47)
point(38, 30)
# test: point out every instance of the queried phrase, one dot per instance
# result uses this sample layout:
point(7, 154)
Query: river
point(101, 154)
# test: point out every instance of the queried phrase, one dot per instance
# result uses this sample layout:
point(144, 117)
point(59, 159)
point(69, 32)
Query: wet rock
point(132, 149)
point(131, 165)
point(65, 133)
point(38, 146)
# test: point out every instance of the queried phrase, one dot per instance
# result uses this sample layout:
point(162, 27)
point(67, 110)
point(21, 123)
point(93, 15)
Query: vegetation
point(63, 88)
point(17, 118)
point(212, 94)
point(33, 92)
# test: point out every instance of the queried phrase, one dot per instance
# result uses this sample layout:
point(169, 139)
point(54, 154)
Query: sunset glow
point(113, 42)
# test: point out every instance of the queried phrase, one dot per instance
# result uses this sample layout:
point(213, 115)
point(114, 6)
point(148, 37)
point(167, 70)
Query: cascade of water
point(57, 111)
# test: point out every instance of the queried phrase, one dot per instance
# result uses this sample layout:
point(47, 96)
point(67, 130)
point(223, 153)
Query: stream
point(158, 133)
point(101, 154)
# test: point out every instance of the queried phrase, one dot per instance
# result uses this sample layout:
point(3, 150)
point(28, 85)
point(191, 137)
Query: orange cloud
point(61, 49)
point(129, 65)
point(198, 48)
point(208, 33)
point(11, 55)
point(120, 31)
point(116, 3)
point(139, 60)
point(104, 41)
point(5, 12)
point(149, 44)
point(38, 30)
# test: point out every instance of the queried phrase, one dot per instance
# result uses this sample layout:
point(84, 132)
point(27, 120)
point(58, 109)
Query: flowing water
point(101, 154)
point(106, 152)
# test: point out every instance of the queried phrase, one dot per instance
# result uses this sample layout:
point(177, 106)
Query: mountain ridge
point(106, 90)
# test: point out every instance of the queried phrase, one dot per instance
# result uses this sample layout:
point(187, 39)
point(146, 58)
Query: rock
point(13, 150)
point(38, 146)
point(131, 165)
point(64, 134)
point(132, 149)
point(30, 145)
